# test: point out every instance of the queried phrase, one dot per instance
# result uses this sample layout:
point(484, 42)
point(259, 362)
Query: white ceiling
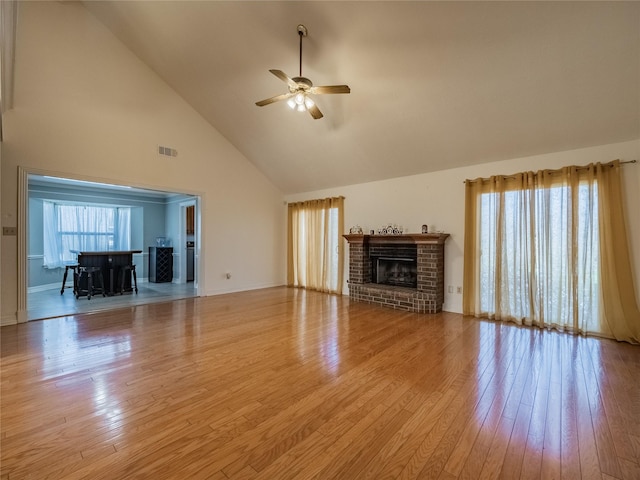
point(434, 85)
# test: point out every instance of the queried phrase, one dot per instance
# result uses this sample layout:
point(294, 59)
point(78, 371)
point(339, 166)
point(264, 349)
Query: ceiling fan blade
point(315, 112)
point(277, 98)
point(330, 89)
point(285, 78)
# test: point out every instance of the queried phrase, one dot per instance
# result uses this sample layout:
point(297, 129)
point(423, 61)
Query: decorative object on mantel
point(390, 229)
point(425, 229)
point(357, 230)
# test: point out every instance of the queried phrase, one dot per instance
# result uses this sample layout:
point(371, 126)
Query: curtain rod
point(511, 176)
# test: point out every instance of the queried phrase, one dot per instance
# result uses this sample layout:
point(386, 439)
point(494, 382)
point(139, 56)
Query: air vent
point(167, 152)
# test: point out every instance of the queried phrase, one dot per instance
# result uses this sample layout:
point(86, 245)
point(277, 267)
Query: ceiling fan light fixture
point(308, 102)
point(300, 102)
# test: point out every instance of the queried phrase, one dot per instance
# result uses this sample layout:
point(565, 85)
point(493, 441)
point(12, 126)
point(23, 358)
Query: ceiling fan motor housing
point(303, 83)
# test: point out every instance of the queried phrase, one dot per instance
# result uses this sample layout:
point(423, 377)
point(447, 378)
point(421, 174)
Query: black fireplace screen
point(401, 272)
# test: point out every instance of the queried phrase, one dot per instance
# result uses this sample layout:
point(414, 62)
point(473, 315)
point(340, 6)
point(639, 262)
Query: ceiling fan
point(300, 88)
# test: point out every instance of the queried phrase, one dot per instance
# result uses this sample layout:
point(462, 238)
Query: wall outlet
point(459, 290)
point(9, 231)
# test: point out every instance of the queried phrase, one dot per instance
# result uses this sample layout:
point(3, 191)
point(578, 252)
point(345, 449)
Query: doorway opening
point(154, 214)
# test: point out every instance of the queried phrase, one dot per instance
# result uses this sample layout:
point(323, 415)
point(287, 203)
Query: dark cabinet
point(191, 220)
point(160, 264)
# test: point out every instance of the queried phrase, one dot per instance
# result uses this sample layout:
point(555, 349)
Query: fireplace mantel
point(426, 248)
point(417, 238)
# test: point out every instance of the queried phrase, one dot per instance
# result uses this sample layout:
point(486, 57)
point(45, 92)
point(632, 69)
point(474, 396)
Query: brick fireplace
point(404, 272)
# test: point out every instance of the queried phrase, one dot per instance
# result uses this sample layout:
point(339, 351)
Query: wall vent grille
point(167, 151)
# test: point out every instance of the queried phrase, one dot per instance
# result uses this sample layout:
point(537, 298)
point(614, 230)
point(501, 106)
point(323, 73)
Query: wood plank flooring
point(288, 384)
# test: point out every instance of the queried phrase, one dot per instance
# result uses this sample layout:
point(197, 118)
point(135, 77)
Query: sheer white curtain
point(52, 241)
point(123, 229)
point(70, 227)
point(539, 257)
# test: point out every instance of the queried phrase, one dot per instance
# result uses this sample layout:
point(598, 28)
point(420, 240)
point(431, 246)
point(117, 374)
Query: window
point(550, 249)
point(315, 250)
point(73, 227)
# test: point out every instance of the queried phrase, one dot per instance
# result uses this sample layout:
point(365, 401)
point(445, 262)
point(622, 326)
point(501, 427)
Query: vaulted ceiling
point(434, 85)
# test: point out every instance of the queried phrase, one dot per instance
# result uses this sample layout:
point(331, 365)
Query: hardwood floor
point(287, 384)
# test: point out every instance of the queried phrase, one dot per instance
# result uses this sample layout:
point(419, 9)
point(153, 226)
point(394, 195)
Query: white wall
point(438, 199)
point(86, 107)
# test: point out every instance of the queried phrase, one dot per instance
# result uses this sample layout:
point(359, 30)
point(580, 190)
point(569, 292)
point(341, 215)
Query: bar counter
point(110, 262)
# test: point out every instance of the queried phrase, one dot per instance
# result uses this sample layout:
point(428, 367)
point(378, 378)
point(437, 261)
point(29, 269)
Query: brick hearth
point(428, 297)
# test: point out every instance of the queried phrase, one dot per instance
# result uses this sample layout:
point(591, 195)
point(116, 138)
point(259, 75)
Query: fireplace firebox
point(401, 272)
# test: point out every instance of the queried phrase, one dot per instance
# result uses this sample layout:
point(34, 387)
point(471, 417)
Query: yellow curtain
point(550, 249)
point(315, 250)
point(620, 313)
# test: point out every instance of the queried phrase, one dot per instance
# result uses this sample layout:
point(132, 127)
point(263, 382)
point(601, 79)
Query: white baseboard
point(48, 286)
point(246, 288)
point(8, 320)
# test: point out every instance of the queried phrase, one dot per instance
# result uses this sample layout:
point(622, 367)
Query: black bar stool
point(73, 267)
point(90, 273)
point(128, 270)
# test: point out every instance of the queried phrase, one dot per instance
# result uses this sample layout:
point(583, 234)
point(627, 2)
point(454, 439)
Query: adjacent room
point(67, 216)
point(319, 240)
